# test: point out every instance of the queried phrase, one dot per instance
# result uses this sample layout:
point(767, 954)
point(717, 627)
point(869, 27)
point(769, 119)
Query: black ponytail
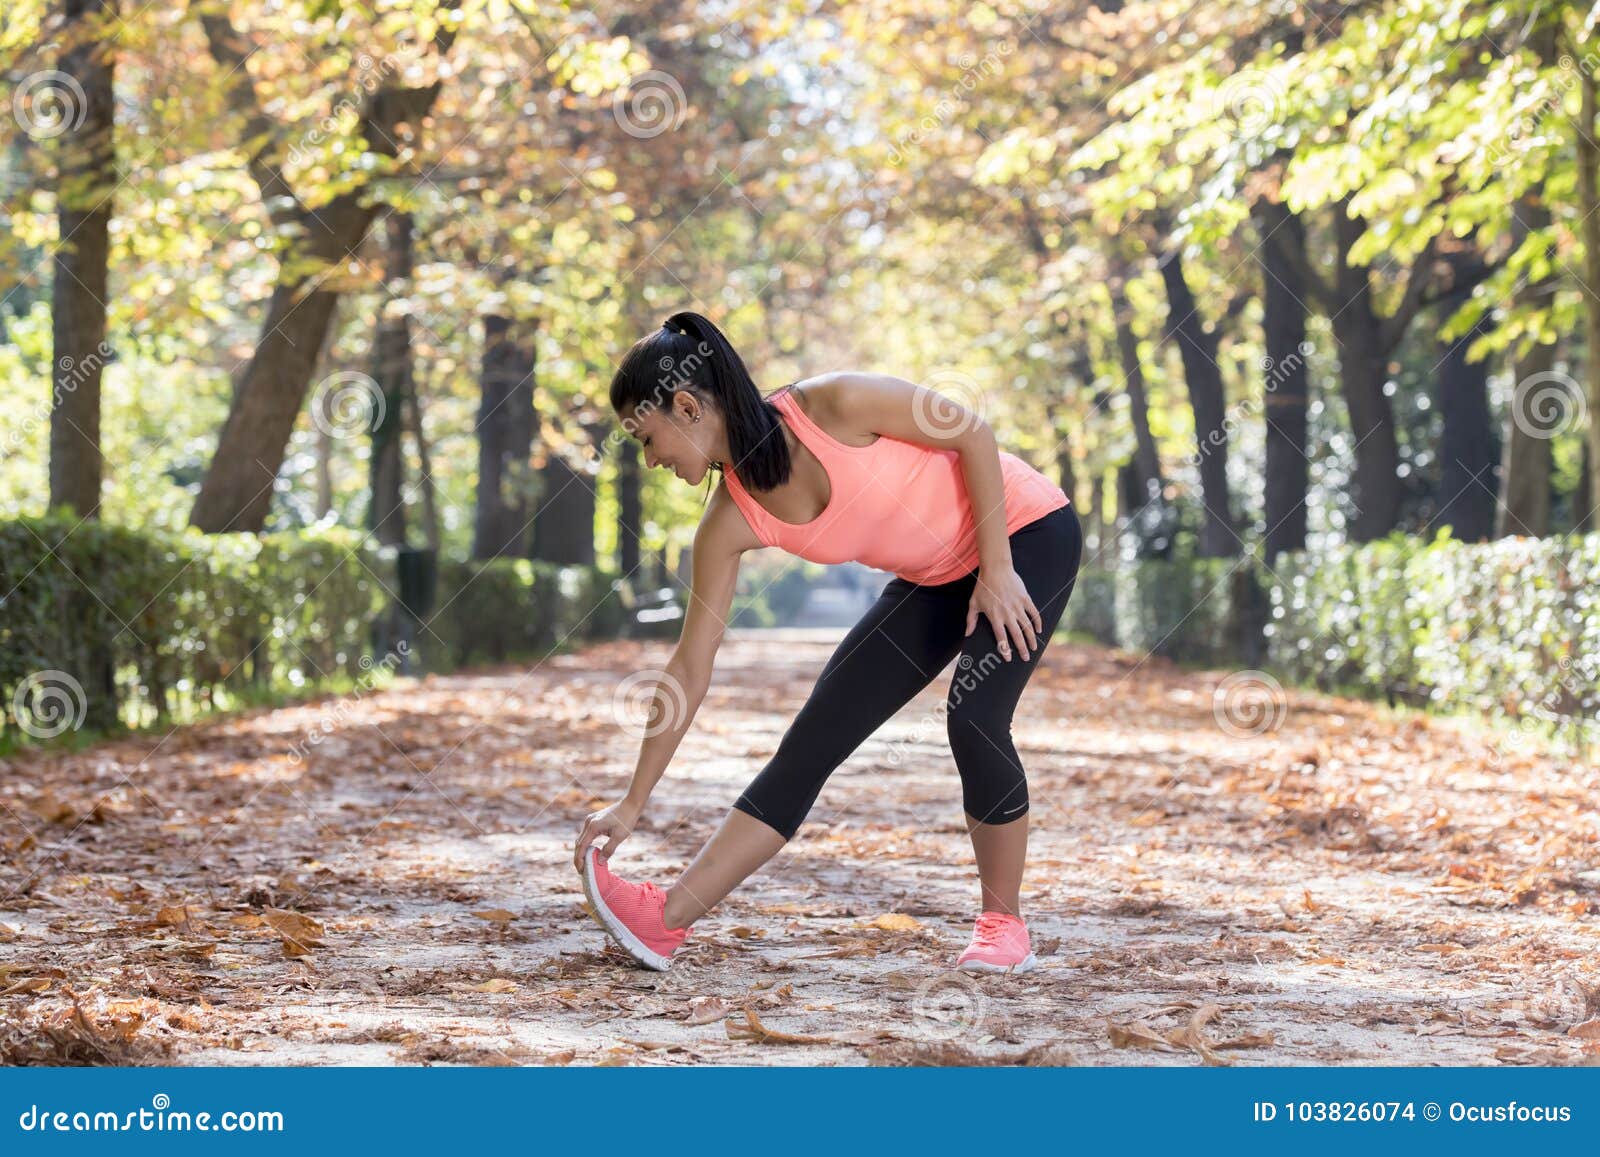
point(690, 353)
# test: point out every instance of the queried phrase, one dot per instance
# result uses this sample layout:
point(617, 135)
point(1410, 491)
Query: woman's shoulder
point(822, 399)
point(816, 396)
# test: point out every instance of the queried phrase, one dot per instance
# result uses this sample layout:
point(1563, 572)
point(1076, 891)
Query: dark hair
point(690, 353)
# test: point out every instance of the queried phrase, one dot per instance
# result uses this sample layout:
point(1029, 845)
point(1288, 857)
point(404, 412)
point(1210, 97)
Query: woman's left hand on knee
point(1002, 598)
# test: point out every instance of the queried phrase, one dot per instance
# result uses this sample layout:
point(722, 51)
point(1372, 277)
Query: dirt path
point(1348, 889)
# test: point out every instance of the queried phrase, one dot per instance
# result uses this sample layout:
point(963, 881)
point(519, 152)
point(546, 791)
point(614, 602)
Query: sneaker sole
point(1024, 965)
point(615, 928)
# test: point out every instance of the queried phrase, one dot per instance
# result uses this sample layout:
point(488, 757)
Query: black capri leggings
point(900, 644)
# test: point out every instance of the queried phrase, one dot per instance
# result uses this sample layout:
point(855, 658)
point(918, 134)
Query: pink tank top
point(894, 505)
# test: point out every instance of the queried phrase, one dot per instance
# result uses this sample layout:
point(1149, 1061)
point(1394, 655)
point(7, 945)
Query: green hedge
point(147, 623)
point(1509, 628)
point(1187, 609)
point(499, 609)
point(115, 626)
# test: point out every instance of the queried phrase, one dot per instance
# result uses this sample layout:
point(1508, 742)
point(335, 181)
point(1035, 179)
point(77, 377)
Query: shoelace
point(990, 927)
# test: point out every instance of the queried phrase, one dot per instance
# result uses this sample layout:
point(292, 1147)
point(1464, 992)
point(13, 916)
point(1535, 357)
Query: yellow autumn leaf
point(895, 922)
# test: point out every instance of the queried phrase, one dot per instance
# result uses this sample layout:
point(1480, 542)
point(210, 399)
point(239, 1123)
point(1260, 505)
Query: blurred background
point(308, 309)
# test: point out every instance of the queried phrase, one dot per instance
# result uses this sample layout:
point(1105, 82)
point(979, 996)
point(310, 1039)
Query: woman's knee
point(994, 788)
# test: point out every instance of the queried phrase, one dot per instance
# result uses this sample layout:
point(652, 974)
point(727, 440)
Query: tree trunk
point(1468, 448)
point(1285, 393)
point(1147, 519)
point(1066, 468)
point(1094, 525)
point(1588, 206)
point(1363, 370)
point(1146, 461)
point(86, 181)
point(1198, 348)
point(430, 503)
point(630, 505)
point(505, 443)
point(1524, 507)
point(391, 371)
point(563, 528)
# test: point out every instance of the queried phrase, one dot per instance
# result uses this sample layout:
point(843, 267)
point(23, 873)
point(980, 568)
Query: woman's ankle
point(679, 910)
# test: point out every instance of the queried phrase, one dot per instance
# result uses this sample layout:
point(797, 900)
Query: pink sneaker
point(631, 914)
point(999, 944)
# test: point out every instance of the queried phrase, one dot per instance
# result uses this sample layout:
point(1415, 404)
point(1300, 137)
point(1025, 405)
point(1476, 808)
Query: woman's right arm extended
point(723, 536)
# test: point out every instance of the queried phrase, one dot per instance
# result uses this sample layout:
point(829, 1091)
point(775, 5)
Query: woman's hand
point(614, 822)
point(1003, 599)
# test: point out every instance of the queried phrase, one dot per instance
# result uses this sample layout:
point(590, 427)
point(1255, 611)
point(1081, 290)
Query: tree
point(319, 237)
point(84, 191)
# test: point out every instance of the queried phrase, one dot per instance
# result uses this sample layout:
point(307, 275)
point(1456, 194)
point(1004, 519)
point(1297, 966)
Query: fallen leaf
point(496, 915)
point(1135, 1036)
point(754, 1030)
point(300, 932)
point(32, 984)
point(173, 916)
point(895, 922)
point(705, 1009)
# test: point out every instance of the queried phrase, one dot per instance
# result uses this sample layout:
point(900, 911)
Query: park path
point(1325, 884)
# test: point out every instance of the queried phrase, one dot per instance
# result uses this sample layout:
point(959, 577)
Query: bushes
point(1509, 628)
point(105, 625)
point(1186, 609)
point(504, 608)
point(136, 625)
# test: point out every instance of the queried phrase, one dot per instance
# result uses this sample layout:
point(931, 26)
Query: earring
point(696, 418)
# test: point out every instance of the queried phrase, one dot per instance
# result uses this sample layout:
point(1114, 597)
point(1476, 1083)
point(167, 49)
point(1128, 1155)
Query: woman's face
point(672, 438)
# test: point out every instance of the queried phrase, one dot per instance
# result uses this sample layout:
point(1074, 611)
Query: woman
point(984, 550)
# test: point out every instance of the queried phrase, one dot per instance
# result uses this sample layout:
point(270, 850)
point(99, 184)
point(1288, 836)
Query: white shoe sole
point(1026, 964)
point(616, 929)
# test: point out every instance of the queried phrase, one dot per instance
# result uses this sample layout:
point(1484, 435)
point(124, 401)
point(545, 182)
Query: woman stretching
point(984, 550)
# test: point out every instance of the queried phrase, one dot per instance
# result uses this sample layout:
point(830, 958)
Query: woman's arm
point(722, 537)
point(883, 404)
